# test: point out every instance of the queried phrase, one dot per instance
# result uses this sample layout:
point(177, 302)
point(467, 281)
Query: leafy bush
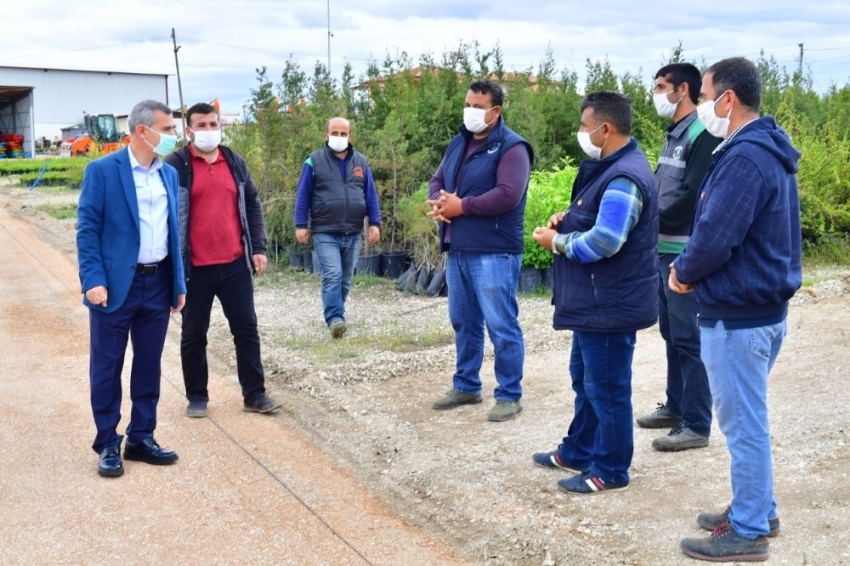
point(548, 192)
point(420, 232)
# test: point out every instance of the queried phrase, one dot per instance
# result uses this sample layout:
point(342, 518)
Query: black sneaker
point(551, 461)
point(197, 409)
point(659, 418)
point(726, 545)
point(262, 404)
point(710, 521)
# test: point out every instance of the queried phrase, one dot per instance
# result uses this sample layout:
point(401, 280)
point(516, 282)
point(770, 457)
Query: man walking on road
point(479, 193)
point(743, 262)
point(335, 193)
point(128, 248)
point(685, 157)
point(223, 243)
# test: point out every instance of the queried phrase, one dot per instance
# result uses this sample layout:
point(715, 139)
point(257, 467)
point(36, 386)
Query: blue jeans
point(337, 255)
point(482, 291)
point(738, 363)
point(688, 393)
point(601, 436)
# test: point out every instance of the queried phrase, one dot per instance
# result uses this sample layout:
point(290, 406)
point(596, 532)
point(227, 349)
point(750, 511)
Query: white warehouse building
point(39, 103)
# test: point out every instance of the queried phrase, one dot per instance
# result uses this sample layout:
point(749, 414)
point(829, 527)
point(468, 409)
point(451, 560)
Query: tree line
point(404, 112)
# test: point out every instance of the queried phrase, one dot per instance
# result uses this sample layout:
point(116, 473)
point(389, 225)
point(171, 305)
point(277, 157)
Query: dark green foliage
point(404, 112)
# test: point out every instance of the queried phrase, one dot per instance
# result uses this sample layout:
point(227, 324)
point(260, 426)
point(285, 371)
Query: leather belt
point(150, 268)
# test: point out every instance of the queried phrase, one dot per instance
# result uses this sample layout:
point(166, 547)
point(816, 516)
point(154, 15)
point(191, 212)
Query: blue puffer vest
point(618, 293)
point(487, 234)
point(337, 205)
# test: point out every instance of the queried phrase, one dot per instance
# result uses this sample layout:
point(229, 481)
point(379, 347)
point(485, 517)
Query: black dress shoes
point(150, 452)
point(110, 462)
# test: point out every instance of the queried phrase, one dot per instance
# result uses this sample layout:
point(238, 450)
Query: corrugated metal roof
point(47, 69)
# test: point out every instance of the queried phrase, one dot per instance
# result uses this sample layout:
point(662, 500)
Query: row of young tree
point(404, 112)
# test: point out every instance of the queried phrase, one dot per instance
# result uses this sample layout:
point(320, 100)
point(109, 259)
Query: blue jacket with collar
point(108, 236)
point(501, 233)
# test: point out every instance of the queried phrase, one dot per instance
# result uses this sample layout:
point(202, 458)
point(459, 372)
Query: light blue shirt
point(153, 210)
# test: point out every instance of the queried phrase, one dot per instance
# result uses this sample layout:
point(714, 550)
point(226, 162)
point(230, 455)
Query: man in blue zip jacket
point(479, 193)
point(606, 289)
point(335, 193)
point(744, 263)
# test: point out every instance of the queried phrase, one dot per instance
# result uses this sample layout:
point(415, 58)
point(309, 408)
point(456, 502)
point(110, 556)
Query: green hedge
point(548, 192)
point(23, 166)
point(71, 178)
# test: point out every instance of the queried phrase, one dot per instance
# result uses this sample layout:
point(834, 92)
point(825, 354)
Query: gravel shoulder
point(365, 401)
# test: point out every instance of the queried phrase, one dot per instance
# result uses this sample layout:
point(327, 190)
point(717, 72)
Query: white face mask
point(663, 106)
point(338, 143)
point(473, 119)
point(592, 151)
point(716, 126)
point(206, 140)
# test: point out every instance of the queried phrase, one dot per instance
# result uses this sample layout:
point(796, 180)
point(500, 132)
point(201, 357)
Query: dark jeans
point(688, 392)
point(143, 317)
point(232, 284)
point(601, 434)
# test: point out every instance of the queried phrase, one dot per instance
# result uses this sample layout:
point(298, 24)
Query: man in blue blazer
point(131, 273)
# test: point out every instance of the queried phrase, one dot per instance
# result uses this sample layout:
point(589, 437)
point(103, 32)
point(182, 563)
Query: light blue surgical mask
point(166, 143)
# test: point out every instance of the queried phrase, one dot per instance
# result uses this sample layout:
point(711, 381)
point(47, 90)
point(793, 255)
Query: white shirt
point(153, 210)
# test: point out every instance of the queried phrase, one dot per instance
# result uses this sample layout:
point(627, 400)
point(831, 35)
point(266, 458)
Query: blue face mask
point(166, 143)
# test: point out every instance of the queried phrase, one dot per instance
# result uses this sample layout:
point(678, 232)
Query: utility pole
point(800, 69)
point(179, 84)
point(329, 37)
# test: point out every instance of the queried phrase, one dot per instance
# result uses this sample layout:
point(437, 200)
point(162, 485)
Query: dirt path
point(360, 445)
point(247, 489)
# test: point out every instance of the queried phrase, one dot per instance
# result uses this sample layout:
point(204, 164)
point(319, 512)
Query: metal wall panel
point(61, 96)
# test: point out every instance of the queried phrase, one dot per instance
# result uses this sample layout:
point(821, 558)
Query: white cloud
point(238, 36)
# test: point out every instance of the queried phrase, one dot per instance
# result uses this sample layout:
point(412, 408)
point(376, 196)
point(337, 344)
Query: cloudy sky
point(223, 41)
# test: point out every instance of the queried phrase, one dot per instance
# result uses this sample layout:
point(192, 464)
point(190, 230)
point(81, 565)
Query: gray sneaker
point(659, 418)
point(710, 521)
point(455, 398)
point(197, 409)
point(504, 411)
point(680, 438)
point(338, 328)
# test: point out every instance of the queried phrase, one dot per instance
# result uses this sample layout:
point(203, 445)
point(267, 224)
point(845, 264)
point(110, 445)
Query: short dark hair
point(678, 73)
point(741, 76)
point(489, 87)
point(199, 108)
point(610, 106)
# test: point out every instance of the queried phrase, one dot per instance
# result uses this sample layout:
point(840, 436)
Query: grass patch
point(60, 211)
point(828, 251)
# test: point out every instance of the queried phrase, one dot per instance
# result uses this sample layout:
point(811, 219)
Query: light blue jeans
point(738, 363)
point(337, 255)
point(482, 291)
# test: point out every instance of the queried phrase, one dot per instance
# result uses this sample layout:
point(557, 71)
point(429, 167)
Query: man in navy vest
point(606, 288)
point(478, 193)
point(685, 157)
point(335, 193)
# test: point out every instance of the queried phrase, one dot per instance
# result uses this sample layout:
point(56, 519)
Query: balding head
point(338, 135)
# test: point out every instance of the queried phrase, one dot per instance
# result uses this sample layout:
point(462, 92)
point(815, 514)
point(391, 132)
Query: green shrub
point(23, 166)
point(71, 178)
point(548, 192)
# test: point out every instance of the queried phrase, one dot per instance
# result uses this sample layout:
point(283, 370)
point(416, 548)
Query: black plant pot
point(307, 259)
point(423, 280)
point(394, 263)
point(369, 264)
point(548, 278)
point(295, 259)
point(529, 280)
point(410, 277)
point(438, 281)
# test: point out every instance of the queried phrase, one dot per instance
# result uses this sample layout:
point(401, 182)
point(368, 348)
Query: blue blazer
point(108, 229)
